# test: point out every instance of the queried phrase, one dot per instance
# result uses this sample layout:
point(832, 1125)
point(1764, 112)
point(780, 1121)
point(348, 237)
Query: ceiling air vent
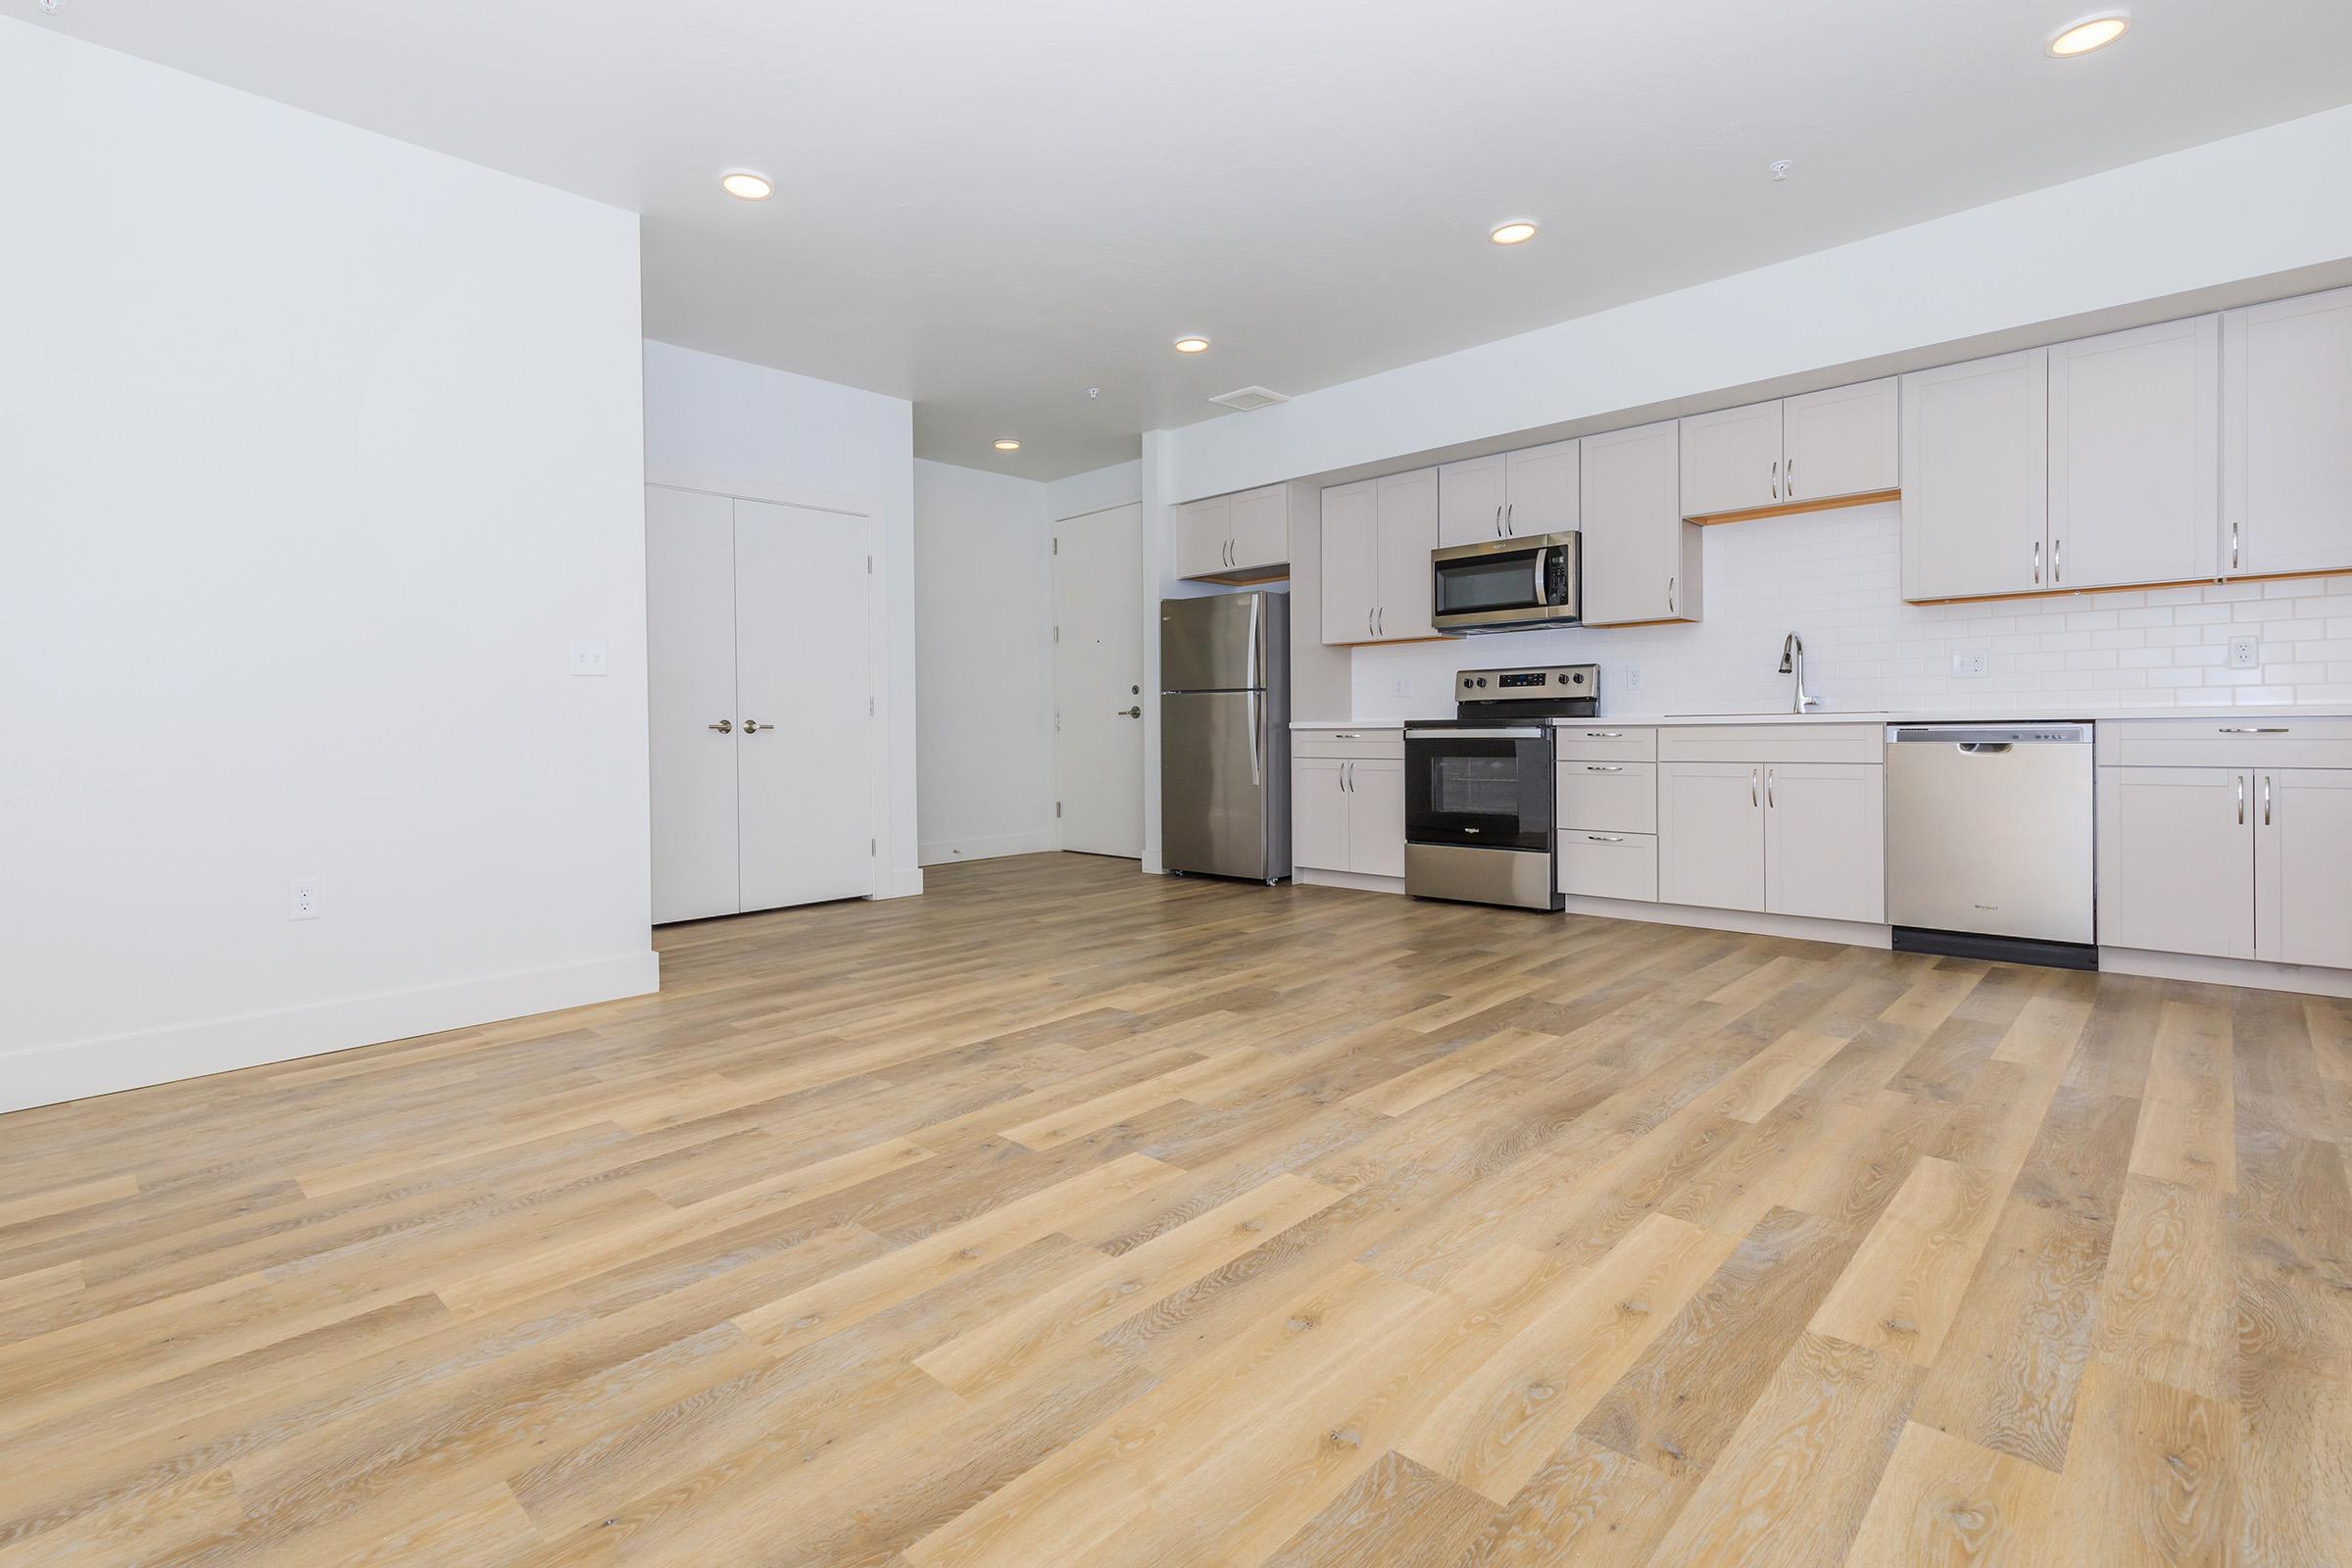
point(1250, 397)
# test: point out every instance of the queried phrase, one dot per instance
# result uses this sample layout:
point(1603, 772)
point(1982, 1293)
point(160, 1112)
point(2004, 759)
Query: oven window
point(1485, 791)
point(1501, 582)
point(1474, 786)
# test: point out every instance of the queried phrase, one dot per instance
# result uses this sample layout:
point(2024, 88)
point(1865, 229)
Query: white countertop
point(1992, 715)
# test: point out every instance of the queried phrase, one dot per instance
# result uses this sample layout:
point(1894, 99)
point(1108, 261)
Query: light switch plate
point(1969, 662)
point(2245, 653)
point(588, 658)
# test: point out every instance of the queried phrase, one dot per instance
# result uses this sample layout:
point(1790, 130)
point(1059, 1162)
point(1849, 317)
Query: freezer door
point(1217, 785)
point(1215, 644)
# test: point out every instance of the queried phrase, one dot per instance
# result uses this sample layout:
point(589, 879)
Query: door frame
point(1143, 634)
point(870, 513)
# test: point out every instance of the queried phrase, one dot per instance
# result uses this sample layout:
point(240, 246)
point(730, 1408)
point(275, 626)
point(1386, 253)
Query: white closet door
point(690, 656)
point(803, 676)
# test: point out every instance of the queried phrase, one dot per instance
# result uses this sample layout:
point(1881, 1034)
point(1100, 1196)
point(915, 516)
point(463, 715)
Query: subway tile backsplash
point(1835, 580)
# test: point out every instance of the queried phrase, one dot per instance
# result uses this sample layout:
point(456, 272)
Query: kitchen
point(2109, 571)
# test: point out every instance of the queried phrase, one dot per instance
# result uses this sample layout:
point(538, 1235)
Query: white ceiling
point(991, 207)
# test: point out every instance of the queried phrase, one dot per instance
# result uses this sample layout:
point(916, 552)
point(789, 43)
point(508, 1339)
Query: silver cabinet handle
point(1380, 621)
point(1510, 519)
point(1769, 804)
point(1367, 624)
point(1754, 774)
point(2037, 561)
point(751, 727)
point(1788, 480)
point(1348, 777)
point(2266, 800)
point(1604, 734)
point(2255, 729)
point(1604, 768)
point(1498, 521)
point(725, 726)
point(2233, 544)
point(1776, 478)
point(1346, 735)
point(2241, 799)
point(2057, 560)
point(1606, 838)
point(1670, 596)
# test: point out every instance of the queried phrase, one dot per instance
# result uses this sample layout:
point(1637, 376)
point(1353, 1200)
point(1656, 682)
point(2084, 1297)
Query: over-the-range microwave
point(1509, 584)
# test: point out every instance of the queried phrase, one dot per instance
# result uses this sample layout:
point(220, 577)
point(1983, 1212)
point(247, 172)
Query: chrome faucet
point(1793, 663)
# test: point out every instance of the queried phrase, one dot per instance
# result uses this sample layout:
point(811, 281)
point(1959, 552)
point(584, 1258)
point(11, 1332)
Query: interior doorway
point(1099, 682)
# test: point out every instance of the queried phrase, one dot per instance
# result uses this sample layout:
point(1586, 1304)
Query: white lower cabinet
point(1609, 866)
point(1802, 839)
point(2177, 860)
point(1711, 834)
point(1347, 814)
point(2303, 866)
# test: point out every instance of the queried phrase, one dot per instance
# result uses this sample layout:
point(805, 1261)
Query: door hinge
point(869, 847)
point(870, 708)
point(1057, 809)
point(869, 566)
point(1057, 634)
point(1057, 543)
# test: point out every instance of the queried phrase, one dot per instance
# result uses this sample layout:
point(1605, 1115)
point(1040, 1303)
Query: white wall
point(984, 665)
point(1096, 490)
point(1835, 578)
point(724, 417)
point(2268, 201)
point(316, 453)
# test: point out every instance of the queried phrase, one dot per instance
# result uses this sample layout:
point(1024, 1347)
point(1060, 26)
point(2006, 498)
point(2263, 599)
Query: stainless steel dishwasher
point(1990, 841)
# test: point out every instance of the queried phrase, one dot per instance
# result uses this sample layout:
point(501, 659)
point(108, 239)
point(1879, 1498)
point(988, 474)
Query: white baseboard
point(1747, 922)
point(2307, 979)
point(77, 1069)
point(1316, 877)
point(995, 846)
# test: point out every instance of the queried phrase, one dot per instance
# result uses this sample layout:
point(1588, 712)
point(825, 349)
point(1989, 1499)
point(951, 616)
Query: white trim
point(1747, 922)
point(746, 488)
point(1095, 512)
point(76, 1069)
point(1316, 877)
point(993, 846)
point(2307, 979)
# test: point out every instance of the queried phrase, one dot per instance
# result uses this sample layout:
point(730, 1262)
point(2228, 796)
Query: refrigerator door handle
point(1257, 677)
point(1256, 767)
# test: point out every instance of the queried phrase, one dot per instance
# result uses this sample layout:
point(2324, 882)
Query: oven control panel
point(1549, 682)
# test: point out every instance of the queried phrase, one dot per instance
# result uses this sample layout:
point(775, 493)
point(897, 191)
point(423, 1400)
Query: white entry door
point(690, 616)
point(806, 755)
point(1097, 681)
point(766, 770)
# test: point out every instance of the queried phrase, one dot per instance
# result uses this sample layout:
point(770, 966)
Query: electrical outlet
point(1631, 674)
point(1969, 662)
point(2245, 653)
point(588, 658)
point(1404, 686)
point(302, 898)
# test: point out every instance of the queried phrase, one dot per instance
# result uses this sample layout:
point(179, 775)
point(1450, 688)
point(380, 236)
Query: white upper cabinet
point(1540, 490)
point(1471, 495)
point(1238, 536)
point(1976, 477)
point(1204, 536)
point(1731, 460)
point(1840, 443)
point(1750, 458)
point(2134, 439)
point(1641, 559)
point(1376, 536)
point(2286, 437)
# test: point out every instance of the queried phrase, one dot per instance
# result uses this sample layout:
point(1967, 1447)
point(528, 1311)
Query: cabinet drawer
point(2226, 743)
point(1772, 743)
point(1350, 745)
point(1600, 741)
point(1610, 865)
point(1610, 796)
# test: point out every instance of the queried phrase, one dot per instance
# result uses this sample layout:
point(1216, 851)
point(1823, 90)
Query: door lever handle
point(1137, 712)
point(725, 726)
point(751, 727)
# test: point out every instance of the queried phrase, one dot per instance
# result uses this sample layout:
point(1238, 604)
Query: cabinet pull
point(1604, 768)
point(1367, 624)
point(1776, 478)
point(1753, 775)
point(1768, 801)
point(1380, 621)
point(2233, 544)
point(1346, 735)
point(2254, 729)
point(1510, 519)
point(1788, 480)
point(1670, 596)
point(2057, 560)
point(2037, 561)
point(1604, 734)
point(1606, 838)
point(1499, 523)
point(2241, 799)
point(2266, 800)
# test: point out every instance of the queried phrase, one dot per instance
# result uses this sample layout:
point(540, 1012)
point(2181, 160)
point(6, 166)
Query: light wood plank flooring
point(1067, 1217)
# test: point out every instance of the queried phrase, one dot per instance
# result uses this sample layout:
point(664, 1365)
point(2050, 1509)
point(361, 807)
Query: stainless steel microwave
point(1509, 584)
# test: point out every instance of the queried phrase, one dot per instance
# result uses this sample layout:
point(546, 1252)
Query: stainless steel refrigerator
point(1225, 735)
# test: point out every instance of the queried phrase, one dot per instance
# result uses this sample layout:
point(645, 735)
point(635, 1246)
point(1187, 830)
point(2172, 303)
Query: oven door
point(1507, 584)
point(1479, 788)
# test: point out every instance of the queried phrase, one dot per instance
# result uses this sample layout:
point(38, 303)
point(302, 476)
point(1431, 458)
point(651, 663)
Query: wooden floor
point(1067, 1217)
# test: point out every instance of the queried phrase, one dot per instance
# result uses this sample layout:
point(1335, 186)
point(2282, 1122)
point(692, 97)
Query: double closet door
point(767, 767)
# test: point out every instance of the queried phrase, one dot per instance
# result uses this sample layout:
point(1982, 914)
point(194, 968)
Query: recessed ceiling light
point(1008, 445)
point(1191, 343)
point(745, 185)
point(1518, 231)
point(2091, 33)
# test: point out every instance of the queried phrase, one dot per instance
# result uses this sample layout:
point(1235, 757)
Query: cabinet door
point(2303, 866)
point(1350, 560)
point(1470, 499)
point(1375, 818)
point(1711, 834)
point(1824, 841)
point(1839, 443)
point(2135, 441)
point(1319, 813)
point(1731, 460)
point(1203, 532)
point(1261, 532)
point(2177, 860)
point(1408, 532)
point(1976, 477)
point(2287, 464)
point(1637, 562)
point(1540, 490)
point(690, 678)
